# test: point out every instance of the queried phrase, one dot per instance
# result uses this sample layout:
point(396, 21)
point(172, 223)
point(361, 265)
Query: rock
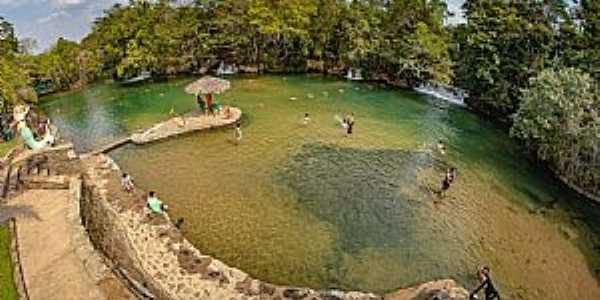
point(568, 232)
point(267, 289)
point(295, 294)
point(440, 290)
point(248, 69)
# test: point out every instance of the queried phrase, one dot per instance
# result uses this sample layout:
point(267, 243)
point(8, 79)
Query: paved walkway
point(56, 257)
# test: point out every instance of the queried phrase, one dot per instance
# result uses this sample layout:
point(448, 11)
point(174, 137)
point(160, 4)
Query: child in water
point(306, 119)
point(237, 132)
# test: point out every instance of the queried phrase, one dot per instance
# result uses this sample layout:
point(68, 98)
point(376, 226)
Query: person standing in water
point(451, 174)
point(485, 283)
point(448, 180)
point(349, 124)
point(306, 119)
point(237, 132)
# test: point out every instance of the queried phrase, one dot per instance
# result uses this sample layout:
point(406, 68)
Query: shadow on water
point(361, 192)
point(371, 197)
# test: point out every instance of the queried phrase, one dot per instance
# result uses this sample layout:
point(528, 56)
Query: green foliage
point(276, 35)
point(8, 39)
point(14, 84)
point(560, 118)
point(7, 285)
point(66, 65)
point(14, 81)
point(584, 41)
point(503, 44)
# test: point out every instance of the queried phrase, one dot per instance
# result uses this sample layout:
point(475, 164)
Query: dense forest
point(532, 65)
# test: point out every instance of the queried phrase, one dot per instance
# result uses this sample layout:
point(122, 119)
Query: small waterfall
point(453, 95)
point(354, 74)
point(225, 69)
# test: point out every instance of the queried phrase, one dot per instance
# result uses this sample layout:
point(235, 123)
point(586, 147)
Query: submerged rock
point(435, 290)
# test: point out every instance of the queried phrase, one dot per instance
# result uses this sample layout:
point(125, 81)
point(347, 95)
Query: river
point(308, 206)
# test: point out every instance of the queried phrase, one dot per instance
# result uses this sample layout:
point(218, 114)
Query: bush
point(559, 118)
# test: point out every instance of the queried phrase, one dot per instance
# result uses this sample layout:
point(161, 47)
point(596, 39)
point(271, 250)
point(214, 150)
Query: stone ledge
point(175, 126)
point(16, 260)
point(172, 268)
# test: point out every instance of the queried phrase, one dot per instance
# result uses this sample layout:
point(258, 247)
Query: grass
point(7, 285)
point(6, 146)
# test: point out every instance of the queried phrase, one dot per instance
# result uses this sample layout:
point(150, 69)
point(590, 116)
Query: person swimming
point(485, 283)
point(306, 119)
point(441, 147)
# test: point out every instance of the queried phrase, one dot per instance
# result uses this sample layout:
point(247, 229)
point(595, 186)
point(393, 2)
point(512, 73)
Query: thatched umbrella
point(208, 85)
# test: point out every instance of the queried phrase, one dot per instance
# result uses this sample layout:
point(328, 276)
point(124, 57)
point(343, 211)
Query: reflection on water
point(307, 206)
point(104, 112)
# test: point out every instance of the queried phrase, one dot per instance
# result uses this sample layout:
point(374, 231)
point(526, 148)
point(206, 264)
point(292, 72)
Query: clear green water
point(307, 206)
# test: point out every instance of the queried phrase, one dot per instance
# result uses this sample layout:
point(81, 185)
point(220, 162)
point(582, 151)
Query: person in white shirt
point(127, 183)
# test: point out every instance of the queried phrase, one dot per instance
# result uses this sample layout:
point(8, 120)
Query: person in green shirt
point(154, 204)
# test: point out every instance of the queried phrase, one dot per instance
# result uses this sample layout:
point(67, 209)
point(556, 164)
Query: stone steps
point(29, 176)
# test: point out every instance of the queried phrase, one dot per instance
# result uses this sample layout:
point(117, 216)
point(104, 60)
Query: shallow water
point(307, 206)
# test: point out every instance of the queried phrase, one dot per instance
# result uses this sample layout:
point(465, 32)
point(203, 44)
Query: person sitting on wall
point(127, 183)
point(155, 205)
point(174, 114)
point(228, 113)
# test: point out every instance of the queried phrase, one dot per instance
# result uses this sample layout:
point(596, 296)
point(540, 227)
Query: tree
point(8, 40)
point(27, 46)
point(586, 44)
point(559, 117)
point(14, 85)
point(501, 46)
point(14, 80)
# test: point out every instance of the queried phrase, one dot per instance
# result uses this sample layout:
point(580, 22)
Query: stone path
point(176, 126)
point(57, 259)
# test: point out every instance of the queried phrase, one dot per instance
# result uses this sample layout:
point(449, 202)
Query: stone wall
point(161, 262)
point(16, 261)
point(105, 231)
